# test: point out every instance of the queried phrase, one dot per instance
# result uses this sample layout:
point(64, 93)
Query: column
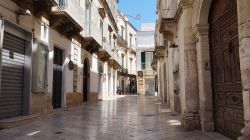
point(188, 70)
point(204, 78)
point(243, 7)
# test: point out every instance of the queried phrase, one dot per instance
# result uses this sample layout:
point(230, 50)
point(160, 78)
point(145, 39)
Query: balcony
point(92, 37)
point(38, 8)
point(122, 42)
point(159, 51)
point(115, 61)
point(154, 62)
point(105, 52)
point(123, 71)
point(169, 14)
point(68, 17)
point(132, 49)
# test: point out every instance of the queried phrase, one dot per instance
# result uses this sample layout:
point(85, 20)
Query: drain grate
point(172, 114)
point(58, 132)
point(149, 115)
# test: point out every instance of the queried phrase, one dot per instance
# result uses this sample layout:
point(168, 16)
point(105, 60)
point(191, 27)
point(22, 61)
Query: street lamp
point(137, 17)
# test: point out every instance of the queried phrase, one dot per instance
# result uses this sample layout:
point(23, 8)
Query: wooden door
point(57, 78)
point(85, 80)
point(226, 75)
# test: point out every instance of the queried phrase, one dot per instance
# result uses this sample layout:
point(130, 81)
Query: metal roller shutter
point(12, 85)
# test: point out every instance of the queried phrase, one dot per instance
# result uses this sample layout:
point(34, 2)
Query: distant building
point(126, 42)
point(145, 54)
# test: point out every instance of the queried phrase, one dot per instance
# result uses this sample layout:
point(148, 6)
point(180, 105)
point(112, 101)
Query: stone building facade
point(203, 59)
point(145, 54)
point(127, 50)
point(56, 54)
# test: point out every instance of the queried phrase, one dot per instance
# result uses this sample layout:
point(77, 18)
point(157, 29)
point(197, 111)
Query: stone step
point(16, 121)
point(217, 136)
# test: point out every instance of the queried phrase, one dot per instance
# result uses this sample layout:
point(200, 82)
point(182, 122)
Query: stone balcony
point(122, 42)
point(159, 51)
point(68, 17)
point(38, 8)
point(115, 61)
point(168, 14)
point(105, 52)
point(132, 49)
point(123, 71)
point(92, 37)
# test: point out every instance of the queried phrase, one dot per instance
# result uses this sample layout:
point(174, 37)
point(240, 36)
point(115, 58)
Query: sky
point(146, 9)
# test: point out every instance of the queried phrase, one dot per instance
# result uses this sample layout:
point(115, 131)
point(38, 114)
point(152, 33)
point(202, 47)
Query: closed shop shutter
point(12, 83)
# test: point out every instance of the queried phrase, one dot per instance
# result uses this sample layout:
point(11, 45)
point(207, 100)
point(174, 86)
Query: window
point(122, 60)
point(110, 41)
point(114, 44)
point(44, 32)
point(130, 40)
point(40, 68)
point(62, 3)
point(122, 32)
point(149, 60)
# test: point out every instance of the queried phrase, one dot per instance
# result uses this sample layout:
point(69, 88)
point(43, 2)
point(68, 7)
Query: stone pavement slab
point(119, 118)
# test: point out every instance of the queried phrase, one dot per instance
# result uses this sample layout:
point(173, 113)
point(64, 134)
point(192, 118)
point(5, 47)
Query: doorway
point(86, 73)
point(226, 75)
point(57, 78)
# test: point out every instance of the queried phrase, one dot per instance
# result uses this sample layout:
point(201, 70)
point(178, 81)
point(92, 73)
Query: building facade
point(145, 54)
point(126, 45)
point(56, 54)
point(203, 61)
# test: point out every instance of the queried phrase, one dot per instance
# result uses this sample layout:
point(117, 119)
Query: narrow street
point(120, 118)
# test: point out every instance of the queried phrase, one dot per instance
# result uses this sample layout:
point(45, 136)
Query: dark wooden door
point(85, 80)
point(57, 78)
point(226, 76)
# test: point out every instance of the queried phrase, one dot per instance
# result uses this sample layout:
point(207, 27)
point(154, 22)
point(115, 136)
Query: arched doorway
point(86, 73)
point(226, 75)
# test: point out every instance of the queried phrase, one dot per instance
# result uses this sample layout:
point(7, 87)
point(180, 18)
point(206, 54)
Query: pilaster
point(190, 116)
point(243, 7)
point(204, 77)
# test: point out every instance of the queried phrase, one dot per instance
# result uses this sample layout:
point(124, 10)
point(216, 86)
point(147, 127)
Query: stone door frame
point(201, 32)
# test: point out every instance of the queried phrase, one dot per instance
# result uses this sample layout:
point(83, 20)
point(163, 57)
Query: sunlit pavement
point(117, 118)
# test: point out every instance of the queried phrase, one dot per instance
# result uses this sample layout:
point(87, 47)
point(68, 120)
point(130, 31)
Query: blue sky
point(146, 8)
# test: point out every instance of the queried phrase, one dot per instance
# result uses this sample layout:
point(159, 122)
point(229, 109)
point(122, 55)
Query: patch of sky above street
point(145, 8)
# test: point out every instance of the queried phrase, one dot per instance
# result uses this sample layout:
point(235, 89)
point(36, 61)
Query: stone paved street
point(119, 118)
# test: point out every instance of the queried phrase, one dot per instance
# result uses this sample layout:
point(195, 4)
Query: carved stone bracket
point(64, 25)
point(103, 55)
point(113, 63)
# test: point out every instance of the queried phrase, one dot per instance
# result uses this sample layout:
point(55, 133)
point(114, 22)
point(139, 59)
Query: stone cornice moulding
point(200, 30)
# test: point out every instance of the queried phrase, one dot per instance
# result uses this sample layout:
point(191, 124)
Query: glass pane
point(42, 67)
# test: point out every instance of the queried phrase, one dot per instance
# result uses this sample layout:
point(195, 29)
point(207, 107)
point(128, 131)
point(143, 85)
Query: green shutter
point(143, 64)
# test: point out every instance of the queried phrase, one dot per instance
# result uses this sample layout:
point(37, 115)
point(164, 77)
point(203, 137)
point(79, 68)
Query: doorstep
point(217, 136)
point(16, 121)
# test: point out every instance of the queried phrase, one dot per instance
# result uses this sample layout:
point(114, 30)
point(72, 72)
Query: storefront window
point(40, 69)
